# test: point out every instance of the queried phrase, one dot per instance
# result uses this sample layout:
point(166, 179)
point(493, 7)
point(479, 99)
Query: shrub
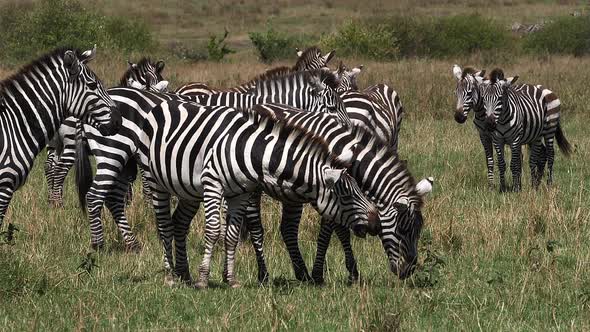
point(273, 45)
point(27, 32)
point(565, 35)
point(216, 49)
point(361, 40)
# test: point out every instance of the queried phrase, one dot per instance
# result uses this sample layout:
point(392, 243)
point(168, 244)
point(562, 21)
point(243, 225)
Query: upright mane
point(306, 56)
point(325, 76)
point(44, 59)
point(144, 62)
point(468, 71)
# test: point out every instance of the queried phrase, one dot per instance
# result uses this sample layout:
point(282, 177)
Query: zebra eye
point(93, 85)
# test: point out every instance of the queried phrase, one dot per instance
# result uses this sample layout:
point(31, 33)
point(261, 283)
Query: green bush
point(27, 32)
point(565, 35)
point(362, 40)
point(273, 45)
point(217, 49)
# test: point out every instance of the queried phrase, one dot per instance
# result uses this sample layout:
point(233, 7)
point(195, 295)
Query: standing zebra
point(525, 115)
point(33, 104)
point(61, 151)
point(206, 153)
point(347, 78)
point(310, 59)
point(381, 176)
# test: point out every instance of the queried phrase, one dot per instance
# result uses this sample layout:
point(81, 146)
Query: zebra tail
point(83, 168)
point(562, 142)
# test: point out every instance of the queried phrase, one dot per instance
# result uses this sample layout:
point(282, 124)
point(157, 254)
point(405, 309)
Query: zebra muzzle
point(460, 116)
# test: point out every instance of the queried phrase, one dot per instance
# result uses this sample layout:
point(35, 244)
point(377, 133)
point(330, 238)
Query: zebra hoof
point(263, 278)
point(318, 281)
point(184, 276)
point(234, 284)
point(56, 203)
point(169, 280)
point(97, 246)
point(201, 284)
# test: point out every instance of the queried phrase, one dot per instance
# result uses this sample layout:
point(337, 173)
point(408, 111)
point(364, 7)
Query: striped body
point(33, 104)
point(206, 153)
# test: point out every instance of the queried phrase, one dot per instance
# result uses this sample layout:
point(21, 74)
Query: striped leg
point(5, 198)
point(550, 157)
point(254, 225)
point(515, 164)
point(536, 162)
point(344, 237)
point(182, 218)
point(145, 184)
point(323, 243)
point(212, 203)
point(501, 165)
point(115, 202)
point(289, 231)
point(488, 147)
point(236, 208)
point(60, 171)
point(49, 166)
point(161, 203)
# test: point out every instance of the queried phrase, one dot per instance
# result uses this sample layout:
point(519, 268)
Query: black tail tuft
point(562, 142)
point(83, 168)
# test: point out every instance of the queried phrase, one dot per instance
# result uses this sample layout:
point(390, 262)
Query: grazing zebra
point(469, 99)
point(33, 104)
point(313, 91)
point(206, 153)
point(145, 75)
point(381, 176)
point(310, 59)
point(525, 115)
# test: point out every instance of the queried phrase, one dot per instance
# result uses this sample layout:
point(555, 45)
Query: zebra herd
point(301, 134)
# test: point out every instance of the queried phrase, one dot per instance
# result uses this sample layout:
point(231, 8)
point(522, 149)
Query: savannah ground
point(513, 261)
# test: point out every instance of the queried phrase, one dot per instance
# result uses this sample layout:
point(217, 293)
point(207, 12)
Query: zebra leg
point(344, 237)
point(161, 204)
point(181, 219)
point(49, 166)
point(254, 224)
point(236, 211)
point(60, 172)
point(212, 203)
point(290, 231)
point(537, 154)
point(6, 193)
point(501, 165)
point(515, 165)
point(115, 202)
point(549, 157)
point(145, 184)
point(324, 237)
point(488, 147)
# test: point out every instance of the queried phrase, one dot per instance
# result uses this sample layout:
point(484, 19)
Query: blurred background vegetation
point(270, 30)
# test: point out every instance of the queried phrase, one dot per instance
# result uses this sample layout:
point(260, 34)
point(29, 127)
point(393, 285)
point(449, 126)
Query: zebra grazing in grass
point(206, 153)
point(35, 101)
point(469, 99)
point(529, 115)
point(310, 59)
point(313, 91)
point(61, 151)
point(382, 177)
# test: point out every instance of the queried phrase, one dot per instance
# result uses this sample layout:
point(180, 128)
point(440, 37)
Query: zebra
point(33, 104)
point(61, 151)
point(310, 59)
point(115, 152)
point(382, 177)
point(313, 91)
point(525, 115)
point(221, 152)
point(347, 77)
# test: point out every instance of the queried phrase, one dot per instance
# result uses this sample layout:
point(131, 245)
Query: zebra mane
point(468, 71)
point(43, 59)
point(496, 74)
point(384, 152)
point(305, 57)
point(325, 76)
point(270, 74)
point(317, 143)
point(144, 62)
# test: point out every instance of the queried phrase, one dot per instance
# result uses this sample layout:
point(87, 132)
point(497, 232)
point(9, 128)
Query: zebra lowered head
point(494, 95)
point(145, 75)
point(85, 96)
point(467, 91)
point(312, 58)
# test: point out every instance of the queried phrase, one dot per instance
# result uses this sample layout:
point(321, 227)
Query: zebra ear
point(347, 155)
point(299, 52)
point(131, 64)
point(357, 70)
point(331, 176)
point(160, 66)
point(89, 55)
point(457, 72)
point(72, 64)
point(328, 56)
point(425, 186)
point(317, 85)
point(480, 73)
point(511, 80)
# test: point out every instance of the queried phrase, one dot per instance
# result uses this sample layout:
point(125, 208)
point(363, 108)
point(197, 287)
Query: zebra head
point(347, 78)
point(323, 84)
point(494, 95)
point(312, 59)
point(344, 202)
point(145, 75)
point(86, 98)
point(467, 91)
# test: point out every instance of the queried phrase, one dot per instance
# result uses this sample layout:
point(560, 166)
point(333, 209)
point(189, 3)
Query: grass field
point(514, 261)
